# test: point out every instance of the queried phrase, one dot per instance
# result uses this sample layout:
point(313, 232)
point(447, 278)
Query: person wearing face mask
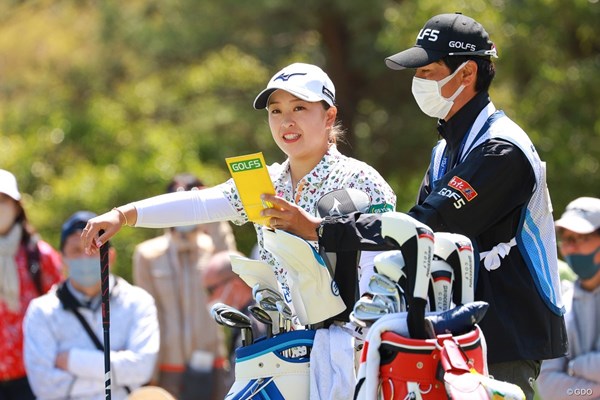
point(485, 181)
point(168, 267)
point(578, 232)
point(28, 268)
point(64, 352)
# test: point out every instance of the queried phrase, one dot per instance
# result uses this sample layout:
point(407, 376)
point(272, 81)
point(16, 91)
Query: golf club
point(104, 269)
point(262, 316)
point(234, 318)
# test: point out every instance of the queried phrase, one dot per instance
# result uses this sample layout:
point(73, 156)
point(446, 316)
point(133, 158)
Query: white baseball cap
point(582, 215)
point(305, 81)
point(8, 185)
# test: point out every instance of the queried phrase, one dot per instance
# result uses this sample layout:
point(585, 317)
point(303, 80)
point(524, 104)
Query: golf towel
point(332, 365)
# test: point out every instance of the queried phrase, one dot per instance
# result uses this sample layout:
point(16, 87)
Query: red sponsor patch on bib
point(463, 187)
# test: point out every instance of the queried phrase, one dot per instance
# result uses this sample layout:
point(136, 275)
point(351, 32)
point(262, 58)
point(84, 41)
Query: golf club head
point(284, 310)
point(383, 286)
point(368, 310)
point(457, 251)
point(260, 315)
point(263, 317)
point(216, 310)
point(235, 318)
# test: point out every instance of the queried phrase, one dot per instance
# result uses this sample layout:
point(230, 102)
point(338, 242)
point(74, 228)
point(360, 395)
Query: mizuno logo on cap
point(285, 77)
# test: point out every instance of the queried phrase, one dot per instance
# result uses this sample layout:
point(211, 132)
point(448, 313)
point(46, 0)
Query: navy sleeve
point(493, 182)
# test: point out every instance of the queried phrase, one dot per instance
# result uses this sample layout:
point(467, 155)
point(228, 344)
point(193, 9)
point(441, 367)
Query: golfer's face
point(299, 127)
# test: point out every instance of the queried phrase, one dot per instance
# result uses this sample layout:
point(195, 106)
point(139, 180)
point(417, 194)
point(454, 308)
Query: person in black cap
point(485, 181)
point(64, 350)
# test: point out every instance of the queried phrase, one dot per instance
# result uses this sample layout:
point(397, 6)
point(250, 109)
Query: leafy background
point(102, 102)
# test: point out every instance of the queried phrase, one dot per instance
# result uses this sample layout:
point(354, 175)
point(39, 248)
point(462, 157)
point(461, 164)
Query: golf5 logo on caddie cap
point(445, 35)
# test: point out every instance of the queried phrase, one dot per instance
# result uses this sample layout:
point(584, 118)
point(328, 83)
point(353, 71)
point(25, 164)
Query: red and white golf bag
point(436, 356)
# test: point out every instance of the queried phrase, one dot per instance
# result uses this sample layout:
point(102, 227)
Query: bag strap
point(33, 264)
point(70, 303)
point(460, 383)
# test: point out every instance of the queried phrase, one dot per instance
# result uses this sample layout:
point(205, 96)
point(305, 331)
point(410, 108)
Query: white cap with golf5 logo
point(305, 81)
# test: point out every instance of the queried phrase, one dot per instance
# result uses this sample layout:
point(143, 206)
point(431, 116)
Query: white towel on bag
point(332, 365)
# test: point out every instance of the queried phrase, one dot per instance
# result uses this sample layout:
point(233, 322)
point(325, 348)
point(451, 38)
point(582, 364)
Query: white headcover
point(315, 295)
point(447, 244)
point(254, 271)
point(402, 227)
point(442, 279)
point(391, 264)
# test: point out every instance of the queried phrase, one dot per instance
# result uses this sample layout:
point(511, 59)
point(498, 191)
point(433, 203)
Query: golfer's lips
point(291, 136)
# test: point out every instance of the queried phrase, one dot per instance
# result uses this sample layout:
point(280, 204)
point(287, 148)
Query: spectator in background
point(169, 267)
point(578, 231)
point(64, 359)
point(28, 268)
point(222, 285)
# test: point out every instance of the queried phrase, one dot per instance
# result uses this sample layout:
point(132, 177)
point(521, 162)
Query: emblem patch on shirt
point(463, 187)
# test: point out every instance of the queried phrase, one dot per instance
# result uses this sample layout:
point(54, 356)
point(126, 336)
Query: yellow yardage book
point(252, 179)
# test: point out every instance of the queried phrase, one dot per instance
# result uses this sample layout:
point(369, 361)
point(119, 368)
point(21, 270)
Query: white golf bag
point(264, 371)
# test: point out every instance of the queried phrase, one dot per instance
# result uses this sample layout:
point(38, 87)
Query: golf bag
point(264, 370)
point(411, 367)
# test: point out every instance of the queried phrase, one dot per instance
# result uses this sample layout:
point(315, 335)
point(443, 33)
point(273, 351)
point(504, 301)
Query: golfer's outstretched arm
point(167, 210)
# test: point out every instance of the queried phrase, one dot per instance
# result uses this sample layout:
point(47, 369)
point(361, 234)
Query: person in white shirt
point(578, 373)
point(62, 359)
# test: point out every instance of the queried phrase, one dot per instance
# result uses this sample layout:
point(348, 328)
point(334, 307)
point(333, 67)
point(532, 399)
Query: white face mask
point(84, 271)
point(428, 95)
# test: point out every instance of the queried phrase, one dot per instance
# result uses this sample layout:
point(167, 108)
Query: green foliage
point(101, 103)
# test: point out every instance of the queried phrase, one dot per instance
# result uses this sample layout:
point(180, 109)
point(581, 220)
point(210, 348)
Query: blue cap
point(76, 222)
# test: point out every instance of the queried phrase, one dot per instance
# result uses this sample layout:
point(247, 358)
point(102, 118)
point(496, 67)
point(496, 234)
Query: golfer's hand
point(110, 222)
point(291, 218)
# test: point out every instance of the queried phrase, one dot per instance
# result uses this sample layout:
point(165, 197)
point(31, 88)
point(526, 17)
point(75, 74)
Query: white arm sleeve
point(184, 208)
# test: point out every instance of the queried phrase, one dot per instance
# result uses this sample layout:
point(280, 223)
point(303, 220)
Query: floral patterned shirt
point(334, 171)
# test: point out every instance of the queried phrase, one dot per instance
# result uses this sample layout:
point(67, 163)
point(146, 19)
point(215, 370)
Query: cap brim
point(263, 97)
point(576, 224)
point(16, 196)
point(261, 100)
point(415, 57)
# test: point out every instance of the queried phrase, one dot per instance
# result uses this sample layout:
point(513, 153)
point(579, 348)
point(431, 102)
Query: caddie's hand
point(111, 222)
point(290, 217)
